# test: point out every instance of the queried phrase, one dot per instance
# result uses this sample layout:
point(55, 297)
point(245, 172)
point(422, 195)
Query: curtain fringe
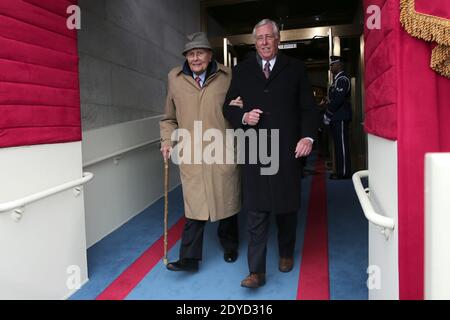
point(429, 28)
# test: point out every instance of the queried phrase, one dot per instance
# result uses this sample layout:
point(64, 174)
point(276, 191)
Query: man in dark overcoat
point(271, 91)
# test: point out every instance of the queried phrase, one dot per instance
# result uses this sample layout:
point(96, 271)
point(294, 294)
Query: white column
point(336, 46)
point(383, 253)
point(43, 255)
point(437, 226)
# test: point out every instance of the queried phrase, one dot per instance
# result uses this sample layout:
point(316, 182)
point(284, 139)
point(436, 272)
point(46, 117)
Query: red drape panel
point(423, 117)
point(437, 8)
point(381, 71)
point(412, 108)
point(39, 88)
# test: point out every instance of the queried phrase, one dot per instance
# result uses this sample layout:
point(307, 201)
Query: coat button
point(266, 91)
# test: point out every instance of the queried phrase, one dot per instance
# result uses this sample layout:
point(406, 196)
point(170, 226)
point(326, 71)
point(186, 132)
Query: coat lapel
point(280, 64)
point(257, 70)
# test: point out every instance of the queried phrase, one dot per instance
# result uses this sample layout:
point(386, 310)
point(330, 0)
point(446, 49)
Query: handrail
point(120, 152)
point(17, 205)
point(386, 223)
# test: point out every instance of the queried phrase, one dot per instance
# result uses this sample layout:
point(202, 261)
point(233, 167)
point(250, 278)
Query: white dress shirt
point(271, 61)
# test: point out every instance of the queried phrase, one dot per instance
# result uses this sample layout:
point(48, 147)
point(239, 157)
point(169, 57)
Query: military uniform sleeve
point(168, 123)
point(232, 113)
point(338, 98)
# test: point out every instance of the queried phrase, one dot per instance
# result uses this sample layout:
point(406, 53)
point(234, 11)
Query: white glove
point(326, 120)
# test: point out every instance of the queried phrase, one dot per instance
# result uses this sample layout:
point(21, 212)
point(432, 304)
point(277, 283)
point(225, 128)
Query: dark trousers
point(258, 231)
point(339, 131)
point(192, 237)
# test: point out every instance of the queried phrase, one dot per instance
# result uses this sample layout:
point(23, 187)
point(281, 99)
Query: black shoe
point(183, 265)
point(230, 255)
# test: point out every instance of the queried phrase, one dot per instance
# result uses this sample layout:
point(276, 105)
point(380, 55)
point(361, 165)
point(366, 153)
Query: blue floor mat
point(216, 279)
point(347, 242)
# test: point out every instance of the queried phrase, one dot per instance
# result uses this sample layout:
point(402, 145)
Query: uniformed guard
point(338, 115)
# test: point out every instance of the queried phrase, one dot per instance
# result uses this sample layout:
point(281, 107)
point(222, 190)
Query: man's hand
point(165, 150)
point(304, 147)
point(237, 102)
point(252, 118)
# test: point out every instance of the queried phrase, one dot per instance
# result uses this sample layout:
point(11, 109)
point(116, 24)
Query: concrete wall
point(126, 49)
point(214, 28)
point(124, 185)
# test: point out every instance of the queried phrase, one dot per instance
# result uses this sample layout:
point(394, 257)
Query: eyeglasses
point(268, 37)
point(193, 54)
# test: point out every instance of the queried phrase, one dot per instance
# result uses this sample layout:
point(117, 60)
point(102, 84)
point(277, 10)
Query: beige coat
point(211, 191)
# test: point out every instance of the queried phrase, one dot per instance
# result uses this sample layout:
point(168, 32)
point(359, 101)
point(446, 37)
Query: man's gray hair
point(263, 22)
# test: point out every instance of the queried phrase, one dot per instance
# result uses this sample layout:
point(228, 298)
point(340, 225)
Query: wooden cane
point(166, 206)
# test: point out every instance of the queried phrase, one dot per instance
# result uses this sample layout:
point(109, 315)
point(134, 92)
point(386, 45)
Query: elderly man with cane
point(211, 191)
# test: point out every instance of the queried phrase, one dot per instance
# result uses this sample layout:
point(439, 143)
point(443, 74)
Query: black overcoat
point(286, 98)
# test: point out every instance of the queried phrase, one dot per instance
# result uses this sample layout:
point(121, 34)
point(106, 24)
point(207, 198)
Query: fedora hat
point(196, 40)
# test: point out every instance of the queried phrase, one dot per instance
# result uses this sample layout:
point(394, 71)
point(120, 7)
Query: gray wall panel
point(126, 49)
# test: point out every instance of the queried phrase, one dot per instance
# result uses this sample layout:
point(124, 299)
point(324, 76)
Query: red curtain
point(419, 112)
point(424, 115)
point(39, 89)
point(381, 69)
point(436, 8)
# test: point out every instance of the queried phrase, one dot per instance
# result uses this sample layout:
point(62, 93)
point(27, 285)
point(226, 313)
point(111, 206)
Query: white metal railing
point(18, 205)
point(387, 224)
point(120, 152)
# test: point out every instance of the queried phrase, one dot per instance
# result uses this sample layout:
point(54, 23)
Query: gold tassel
point(440, 60)
point(423, 26)
point(429, 28)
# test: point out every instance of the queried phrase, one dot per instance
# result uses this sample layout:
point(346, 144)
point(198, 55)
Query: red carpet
point(313, 281)
point(122, 286)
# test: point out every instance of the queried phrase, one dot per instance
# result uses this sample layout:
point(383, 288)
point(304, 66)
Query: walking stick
point(166, 205)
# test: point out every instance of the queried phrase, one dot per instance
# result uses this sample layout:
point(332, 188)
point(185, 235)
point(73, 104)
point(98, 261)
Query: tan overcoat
point(211, 191)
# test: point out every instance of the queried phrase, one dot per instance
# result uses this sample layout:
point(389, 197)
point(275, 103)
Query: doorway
point(310, 31)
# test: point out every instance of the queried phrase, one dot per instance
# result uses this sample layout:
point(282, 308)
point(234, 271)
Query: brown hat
point(196, 41)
